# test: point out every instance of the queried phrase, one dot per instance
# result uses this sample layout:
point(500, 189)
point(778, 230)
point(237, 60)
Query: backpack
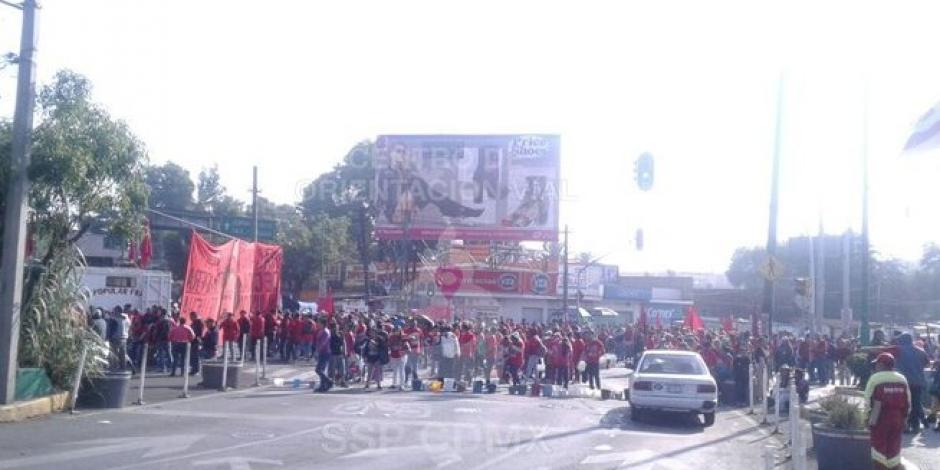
point(308, 328)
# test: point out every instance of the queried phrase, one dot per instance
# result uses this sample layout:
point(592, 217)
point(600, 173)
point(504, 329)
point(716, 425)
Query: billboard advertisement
point(469, 187)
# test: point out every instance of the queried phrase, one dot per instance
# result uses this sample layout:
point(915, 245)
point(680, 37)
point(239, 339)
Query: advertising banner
point(502, 282)
point(231, 277)
point(470, 187)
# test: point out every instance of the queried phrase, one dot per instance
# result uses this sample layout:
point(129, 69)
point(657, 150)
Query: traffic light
point(643, 171)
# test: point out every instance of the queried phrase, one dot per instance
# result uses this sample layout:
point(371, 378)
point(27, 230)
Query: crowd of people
point(365, 348)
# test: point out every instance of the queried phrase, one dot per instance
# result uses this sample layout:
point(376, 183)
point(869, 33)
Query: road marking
point(155, 446)
point(222, 449)
point(236, 463)
point(603, 448)
point(631, 457)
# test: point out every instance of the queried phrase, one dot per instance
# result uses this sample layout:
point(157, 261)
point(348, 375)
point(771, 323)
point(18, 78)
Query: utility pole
point(564, 281)
point(846, 291)
point(17, 207)
point(820, 289)
point(254, 199)
point(863, 330)
point(770, 292)
point(811, 302)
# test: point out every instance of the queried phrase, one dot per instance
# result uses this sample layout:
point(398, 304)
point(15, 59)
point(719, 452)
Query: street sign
point(771, 269)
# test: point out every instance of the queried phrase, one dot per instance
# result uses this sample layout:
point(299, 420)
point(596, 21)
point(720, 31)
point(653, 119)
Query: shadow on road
point(653, 422)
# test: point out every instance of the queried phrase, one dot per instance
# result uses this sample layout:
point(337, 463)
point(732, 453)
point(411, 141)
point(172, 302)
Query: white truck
point(141, 288)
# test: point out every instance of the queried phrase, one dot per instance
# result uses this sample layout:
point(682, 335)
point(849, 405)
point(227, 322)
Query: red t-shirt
point(414, 337)
point(577, 349)
point(257, 327)
point(492, 345)
point(229, 329)
point(593, 351)
point(396, 346)
point(468, 344)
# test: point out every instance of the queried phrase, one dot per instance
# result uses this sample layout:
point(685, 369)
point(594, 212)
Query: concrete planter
point(841, 449)
point(212, 375)
point(106, 391)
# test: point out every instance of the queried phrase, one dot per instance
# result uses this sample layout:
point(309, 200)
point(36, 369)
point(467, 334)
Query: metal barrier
point(143, 373)
point(797, 437)
point(225, 345)
point(244, 347)
point(257, 363)
point(776, 422)
point(78, 377)
point(264, 356)
point(185, 371)
point(750, 388)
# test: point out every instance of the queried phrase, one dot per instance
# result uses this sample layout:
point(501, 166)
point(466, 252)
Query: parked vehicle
point(674, 381)
point(141, 288)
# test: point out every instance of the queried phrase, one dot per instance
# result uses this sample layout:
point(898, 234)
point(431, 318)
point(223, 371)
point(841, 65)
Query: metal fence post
point(769, 460)
point(750, 388)
point(257, 363)
point(762, 385)
point(185, 393)
point(244, 347)
point(264, 356)
point(225, 363)
point(78, 376)
point(793, 412)
point(143, 373)
point(777, 405)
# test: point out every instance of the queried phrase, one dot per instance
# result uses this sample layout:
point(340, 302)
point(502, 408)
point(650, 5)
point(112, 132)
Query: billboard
point(470, 187)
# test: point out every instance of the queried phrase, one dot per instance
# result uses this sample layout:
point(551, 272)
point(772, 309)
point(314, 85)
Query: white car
point(673, 381)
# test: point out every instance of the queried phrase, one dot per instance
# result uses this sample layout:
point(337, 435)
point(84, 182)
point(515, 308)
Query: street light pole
point(564, 282)
point(17, 207)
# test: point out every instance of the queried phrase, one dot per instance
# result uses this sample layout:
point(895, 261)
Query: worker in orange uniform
point(889, 397)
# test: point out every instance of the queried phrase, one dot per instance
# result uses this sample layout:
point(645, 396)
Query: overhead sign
point(470, 187)
point(771, 269)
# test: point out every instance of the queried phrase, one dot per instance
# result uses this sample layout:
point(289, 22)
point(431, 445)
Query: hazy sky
point(292, 85)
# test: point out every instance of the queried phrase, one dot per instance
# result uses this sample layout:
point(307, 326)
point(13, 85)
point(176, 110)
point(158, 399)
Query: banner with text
point(231, 277)
point(470, 187)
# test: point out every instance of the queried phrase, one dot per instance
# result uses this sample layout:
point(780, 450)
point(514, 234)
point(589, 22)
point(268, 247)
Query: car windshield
point(663, 364)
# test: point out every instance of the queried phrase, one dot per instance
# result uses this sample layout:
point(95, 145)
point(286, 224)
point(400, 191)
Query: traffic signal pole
point(769, 301)
point(17, 206)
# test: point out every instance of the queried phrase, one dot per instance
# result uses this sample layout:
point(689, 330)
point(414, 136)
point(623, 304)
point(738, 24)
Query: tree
point(311, 245)
point(86, 168)
point(170, 187)
point(211, 195)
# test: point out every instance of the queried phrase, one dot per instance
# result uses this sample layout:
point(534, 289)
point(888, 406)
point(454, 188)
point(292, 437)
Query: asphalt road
point(284, 427)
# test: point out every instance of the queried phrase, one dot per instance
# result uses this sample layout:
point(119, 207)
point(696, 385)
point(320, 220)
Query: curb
point(24, 410)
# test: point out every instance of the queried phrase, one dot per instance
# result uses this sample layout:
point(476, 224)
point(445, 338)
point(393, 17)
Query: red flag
point(641, 321)
point(727, 323)
point(326, 302)
point(693, 321)
point(146, 247)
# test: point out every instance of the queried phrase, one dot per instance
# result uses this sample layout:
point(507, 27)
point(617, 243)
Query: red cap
point(885, 359)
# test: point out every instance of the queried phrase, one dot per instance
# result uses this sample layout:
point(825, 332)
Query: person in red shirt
point(491, 343)
point(534, 351)
point(230, 332)
point(397, 353)
point(270, 329)
point(593, 351)
point(180, 336)
point(577, 353)
point(256, 333)
point(514, 357)
point(561, 357)
point(295, 337)
point(468, 344)
point(414, 336)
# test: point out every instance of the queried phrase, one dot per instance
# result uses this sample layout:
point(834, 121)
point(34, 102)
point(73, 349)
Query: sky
point(291, 86)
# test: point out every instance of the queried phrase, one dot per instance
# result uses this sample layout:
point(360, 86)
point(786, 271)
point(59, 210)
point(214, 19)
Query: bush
point(842, 413)
point(54, 324)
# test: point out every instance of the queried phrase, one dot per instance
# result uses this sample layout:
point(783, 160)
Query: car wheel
point(636, 414)
point(709, 418)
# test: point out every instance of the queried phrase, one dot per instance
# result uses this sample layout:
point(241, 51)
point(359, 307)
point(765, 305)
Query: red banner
point(231, 277)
